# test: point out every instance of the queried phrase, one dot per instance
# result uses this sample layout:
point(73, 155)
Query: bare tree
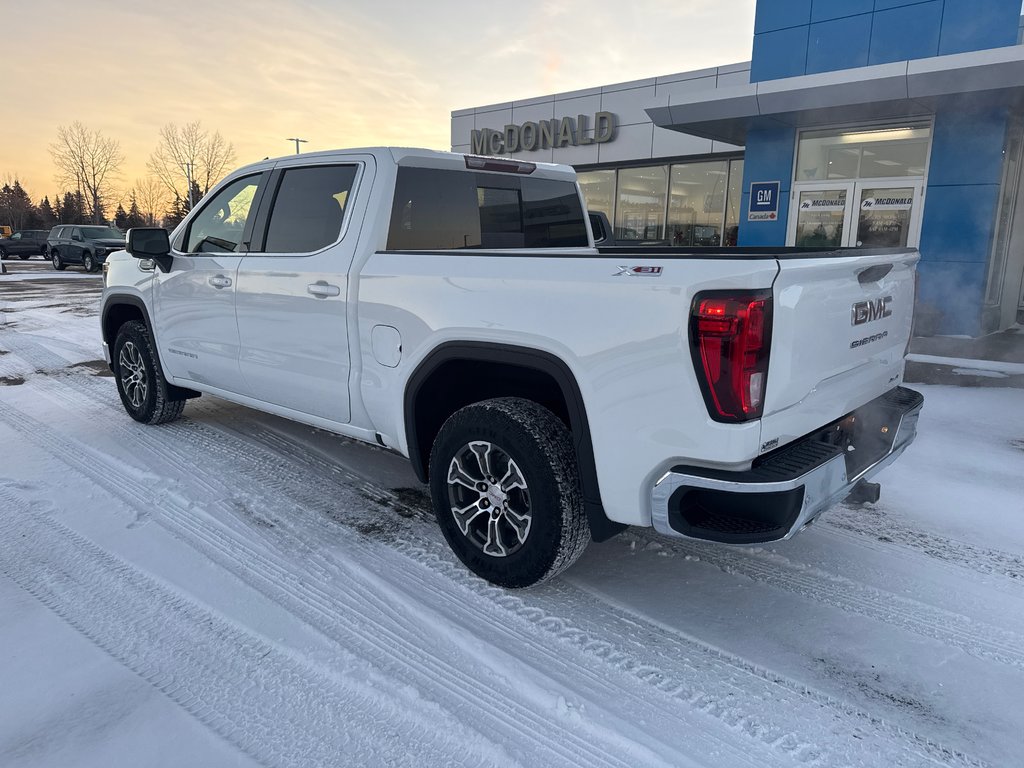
point(89, 162)
point(190, 153)
point(152, 199)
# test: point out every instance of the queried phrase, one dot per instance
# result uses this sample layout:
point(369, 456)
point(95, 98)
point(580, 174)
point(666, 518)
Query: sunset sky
point(339, 73)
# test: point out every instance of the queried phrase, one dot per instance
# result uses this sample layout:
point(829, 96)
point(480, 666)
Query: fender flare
point(601, 527)
point(174, 392)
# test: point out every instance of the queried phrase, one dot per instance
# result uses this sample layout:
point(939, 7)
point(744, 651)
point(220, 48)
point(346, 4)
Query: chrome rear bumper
point(786, 490)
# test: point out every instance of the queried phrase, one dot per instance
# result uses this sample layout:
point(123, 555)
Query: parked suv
point(24, 244)
point(85, 244)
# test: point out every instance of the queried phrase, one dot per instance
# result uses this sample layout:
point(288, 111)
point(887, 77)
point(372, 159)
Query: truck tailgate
point(839, 334)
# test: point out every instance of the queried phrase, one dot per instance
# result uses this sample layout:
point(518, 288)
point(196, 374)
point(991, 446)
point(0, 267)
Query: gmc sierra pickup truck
point(453, 308)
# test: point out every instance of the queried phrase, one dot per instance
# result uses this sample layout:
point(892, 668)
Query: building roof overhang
point(899, 90)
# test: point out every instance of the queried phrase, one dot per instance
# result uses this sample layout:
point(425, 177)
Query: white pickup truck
point(454, 309)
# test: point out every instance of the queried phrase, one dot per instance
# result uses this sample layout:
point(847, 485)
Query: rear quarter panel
point(624, 338)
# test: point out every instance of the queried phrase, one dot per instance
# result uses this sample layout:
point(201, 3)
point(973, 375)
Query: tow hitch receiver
point(864, 493)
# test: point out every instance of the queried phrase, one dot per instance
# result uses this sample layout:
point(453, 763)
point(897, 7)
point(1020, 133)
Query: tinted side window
point(309, 208)
point(218, 227)
point(552, 214)
point(434, 210)
point(439, 210)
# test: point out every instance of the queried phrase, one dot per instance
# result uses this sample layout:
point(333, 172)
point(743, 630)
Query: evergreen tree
point(121, 218)
point(48, 217)
point(16, 208)
point(177, 212)
point(72, 209)
point(135, 217)
point(197, 195)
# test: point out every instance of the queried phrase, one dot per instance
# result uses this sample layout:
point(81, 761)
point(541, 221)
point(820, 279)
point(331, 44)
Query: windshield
point(101, 233)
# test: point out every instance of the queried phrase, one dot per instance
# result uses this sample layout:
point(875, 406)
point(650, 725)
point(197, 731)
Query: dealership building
point(857, 122)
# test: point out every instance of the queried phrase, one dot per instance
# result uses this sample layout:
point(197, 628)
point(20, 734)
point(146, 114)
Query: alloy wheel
point(489, 498)
point(133, 374)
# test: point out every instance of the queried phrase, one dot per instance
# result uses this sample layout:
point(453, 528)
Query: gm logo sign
point(764, 201)
point(868, 311)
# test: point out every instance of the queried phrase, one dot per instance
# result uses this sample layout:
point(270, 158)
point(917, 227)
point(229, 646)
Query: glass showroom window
point(643, 194)
point(863, 153)
point(696, 204)
point(733, 203)
point(599, 191)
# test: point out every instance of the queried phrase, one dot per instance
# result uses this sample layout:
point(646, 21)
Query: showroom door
point(888, 214)
point(822, 217)
point(869, 214)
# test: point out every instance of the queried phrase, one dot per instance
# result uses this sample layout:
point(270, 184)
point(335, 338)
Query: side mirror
point(601, 228)
point(151, 243)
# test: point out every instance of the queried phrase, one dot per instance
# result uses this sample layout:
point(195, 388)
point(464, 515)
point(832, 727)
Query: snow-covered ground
point(234, 589)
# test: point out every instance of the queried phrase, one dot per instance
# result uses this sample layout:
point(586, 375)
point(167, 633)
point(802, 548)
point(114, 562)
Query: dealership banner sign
point(546, 134)
point(896, 203)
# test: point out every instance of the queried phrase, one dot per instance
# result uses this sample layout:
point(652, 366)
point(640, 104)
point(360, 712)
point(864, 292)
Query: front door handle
point(322, 290)
point(219, 281)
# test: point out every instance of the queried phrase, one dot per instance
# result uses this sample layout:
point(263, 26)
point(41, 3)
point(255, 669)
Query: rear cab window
point(440, 209)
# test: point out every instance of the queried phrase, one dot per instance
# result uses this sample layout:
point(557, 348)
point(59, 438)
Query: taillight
point(730, 338)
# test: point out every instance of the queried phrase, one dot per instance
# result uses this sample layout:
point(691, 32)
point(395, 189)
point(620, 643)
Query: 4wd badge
point(639, 272)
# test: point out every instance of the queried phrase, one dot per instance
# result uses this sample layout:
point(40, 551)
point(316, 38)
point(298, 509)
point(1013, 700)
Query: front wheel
point(57, 261)
point(506, 492)
point(3, 253)
point(140, 381)
point(88, 263)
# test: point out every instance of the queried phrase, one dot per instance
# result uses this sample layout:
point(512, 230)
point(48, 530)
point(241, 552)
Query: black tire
point(540, 529)
point(3, 253)
point(88, 262)
point(140, 379)
point(57, 261)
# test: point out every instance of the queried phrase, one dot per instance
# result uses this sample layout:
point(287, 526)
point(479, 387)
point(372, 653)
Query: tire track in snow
point(267, 473)
point(880, 529)
point(696, 683)
point(474, 699)
point(974, 638)
point(205, 664)
point(715, 703)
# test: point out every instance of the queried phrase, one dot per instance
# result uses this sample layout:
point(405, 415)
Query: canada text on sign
point(545, 134)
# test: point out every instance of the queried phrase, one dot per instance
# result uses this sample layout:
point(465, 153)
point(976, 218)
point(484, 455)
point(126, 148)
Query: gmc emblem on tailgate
point(869, 311)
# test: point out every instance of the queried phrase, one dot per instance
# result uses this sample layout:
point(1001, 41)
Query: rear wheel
point(57, 261)
point(140, 380)
point(506, 492)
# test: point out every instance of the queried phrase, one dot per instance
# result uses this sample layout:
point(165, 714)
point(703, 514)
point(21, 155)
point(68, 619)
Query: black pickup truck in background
point(24, 244)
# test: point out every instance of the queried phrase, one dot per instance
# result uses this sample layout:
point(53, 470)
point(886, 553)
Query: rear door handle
point(322, 290)
point(220, 281)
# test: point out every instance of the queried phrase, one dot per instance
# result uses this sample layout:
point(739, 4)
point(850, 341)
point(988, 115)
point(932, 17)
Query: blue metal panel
point(769, 157)
point(839, 44)
point(968, 147)
point(953, 294)
point(780, 14)
point(959, 222)
point(881, 5)
point(779, 54)
point(823, 10)
point(911, 32)
point(970, 25)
